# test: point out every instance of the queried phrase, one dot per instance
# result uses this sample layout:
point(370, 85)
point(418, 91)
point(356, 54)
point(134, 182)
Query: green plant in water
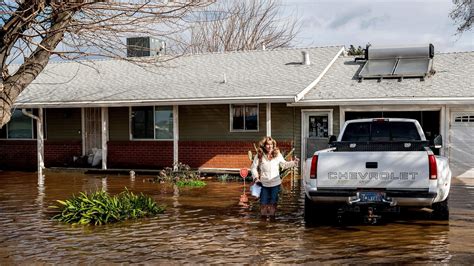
point(181, 175)
point(99, 208)
point(223, 178)
point(190, 183)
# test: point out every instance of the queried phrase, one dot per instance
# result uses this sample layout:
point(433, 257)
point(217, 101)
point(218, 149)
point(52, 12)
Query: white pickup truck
point(377, 166)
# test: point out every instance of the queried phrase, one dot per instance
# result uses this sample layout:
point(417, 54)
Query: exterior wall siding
point(119, 123)
point(63, 124)
point(212, 122)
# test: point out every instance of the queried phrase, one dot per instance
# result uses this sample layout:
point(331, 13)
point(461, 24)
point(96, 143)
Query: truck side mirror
point(332, 139)
point(437, 142)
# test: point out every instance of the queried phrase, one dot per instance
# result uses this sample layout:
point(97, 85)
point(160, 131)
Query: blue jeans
point(269, 195)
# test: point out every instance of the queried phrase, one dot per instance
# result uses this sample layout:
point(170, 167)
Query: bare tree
point(34, 30)
point(463, 14)
point(240, 25)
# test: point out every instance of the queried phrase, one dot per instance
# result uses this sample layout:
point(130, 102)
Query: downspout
point(175, 137)
point(104, 118)
point(300, 95)
point(39, 141)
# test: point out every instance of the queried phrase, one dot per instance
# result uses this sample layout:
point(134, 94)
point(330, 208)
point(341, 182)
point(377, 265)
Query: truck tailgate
point(390, 170)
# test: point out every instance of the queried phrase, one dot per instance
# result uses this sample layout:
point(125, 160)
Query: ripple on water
point(208, 225)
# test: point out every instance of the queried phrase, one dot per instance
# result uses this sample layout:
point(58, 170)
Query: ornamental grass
point(99, 208)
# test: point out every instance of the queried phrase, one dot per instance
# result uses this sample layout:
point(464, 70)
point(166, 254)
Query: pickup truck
point(376, 166)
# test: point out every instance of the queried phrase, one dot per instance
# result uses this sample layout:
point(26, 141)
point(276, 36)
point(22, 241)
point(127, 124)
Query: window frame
point(130, 123)
point(231, 118)
point(7, 137)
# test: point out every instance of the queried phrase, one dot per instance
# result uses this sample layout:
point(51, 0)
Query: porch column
point(104, 119)
point(175, 136)
point(269, 119)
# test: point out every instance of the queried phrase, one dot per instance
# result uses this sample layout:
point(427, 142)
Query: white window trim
point(328, 112)
point(232, 119)
point(32, 129)
point(154, 131)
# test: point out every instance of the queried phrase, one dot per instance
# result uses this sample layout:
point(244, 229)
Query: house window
point(20, 126)
point(244, 117)
point(150, 122)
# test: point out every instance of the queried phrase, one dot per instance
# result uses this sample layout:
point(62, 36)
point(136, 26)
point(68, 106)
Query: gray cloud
point(310, 22)
point(347, 18)
point(372, 22)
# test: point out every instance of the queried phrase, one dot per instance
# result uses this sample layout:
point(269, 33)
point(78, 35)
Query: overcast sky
point(379, 22)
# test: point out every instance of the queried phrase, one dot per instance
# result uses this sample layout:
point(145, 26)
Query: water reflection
point(214, 224)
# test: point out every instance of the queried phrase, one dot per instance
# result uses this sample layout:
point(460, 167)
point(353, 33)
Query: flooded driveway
point(209, 225)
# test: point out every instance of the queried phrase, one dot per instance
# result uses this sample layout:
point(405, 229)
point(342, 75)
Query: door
point(461, 139)
point(92, 130)
point(317, 127)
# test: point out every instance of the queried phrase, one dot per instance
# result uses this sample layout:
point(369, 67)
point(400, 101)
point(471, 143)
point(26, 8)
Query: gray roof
point(454, 78)
point(270, 75)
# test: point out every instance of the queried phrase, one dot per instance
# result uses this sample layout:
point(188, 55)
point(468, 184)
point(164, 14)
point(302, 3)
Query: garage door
point(461, 152)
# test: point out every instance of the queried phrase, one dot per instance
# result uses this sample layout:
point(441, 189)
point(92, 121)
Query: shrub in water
point(100, 208)
point(190, 183)
point(181, 175)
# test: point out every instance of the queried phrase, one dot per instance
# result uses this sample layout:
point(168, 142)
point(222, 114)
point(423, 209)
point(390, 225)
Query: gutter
point(381, 101)
point(301, 95)
point(194, 101)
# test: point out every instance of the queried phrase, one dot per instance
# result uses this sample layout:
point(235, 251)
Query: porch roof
point(250, 76)
point(453, 83)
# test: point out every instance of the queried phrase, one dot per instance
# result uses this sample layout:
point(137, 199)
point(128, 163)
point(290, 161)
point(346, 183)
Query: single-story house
point(207, 110)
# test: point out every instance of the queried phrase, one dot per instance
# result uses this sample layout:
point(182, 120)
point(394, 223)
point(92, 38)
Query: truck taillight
point(313, 174)
point(433, 167)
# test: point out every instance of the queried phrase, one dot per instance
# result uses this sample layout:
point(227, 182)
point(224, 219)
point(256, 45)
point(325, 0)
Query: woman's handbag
point(255, 190)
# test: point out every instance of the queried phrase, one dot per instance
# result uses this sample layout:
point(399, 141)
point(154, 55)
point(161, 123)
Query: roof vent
point(306, 61)
point(398, 62)
point(145, 46)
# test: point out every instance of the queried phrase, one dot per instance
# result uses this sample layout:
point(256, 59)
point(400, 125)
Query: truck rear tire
point(310, 210)
point(440, 210)
point(316, 214)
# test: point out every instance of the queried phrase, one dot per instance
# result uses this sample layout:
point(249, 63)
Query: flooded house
point(207, 110)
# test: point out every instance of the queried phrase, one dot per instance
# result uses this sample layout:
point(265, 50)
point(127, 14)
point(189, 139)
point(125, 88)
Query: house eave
point(382, 101)
point(195, 101)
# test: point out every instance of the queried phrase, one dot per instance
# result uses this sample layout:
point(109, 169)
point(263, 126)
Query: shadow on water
point(214, 224)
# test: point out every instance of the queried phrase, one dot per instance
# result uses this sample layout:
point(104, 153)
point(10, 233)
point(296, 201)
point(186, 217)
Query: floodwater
point(210, 225)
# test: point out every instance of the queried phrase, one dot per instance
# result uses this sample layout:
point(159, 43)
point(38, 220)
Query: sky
point(378, 22)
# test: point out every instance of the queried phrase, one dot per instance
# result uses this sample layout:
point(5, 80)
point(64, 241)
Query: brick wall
point(220, 154)
point(18, 154)
point(61, 153)
point(21, 154)
point(140, 154)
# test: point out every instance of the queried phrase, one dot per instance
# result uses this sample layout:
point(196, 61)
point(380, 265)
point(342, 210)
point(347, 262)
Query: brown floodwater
point(210, 225)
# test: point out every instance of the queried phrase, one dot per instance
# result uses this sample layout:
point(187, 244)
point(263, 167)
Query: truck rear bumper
point(398, 197)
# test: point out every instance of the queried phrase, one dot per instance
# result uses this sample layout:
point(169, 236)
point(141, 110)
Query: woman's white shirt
point(270, 169)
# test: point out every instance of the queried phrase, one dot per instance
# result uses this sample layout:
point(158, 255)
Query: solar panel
point(378, 68)
point(412, 67)
point(397, 62)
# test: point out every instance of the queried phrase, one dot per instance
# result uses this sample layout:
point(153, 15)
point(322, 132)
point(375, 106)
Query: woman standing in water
point(266, 169)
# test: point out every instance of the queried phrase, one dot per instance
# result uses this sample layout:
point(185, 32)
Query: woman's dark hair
point(262, 150)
